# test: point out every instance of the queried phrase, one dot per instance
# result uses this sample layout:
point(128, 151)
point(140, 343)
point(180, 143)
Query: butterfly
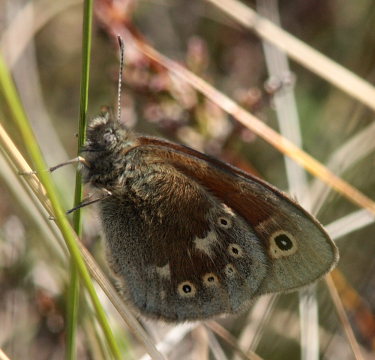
point(190, 237)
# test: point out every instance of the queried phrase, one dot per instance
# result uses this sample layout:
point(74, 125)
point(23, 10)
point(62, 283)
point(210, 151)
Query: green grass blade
point(73, 292)
point(12, 98)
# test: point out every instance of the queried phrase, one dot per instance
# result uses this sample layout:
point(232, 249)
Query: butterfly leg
point(78, 159)
point(87, 201)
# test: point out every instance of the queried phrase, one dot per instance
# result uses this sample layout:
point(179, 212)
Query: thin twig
point(231, 340)
point(343, 318)
point(256, 125)
point(21, 165)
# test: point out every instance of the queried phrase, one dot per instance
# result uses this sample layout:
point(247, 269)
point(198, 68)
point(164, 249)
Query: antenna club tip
point(120, 41)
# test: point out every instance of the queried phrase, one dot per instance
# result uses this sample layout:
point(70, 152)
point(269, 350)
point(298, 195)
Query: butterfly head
point(106, 135)
point(106, 143)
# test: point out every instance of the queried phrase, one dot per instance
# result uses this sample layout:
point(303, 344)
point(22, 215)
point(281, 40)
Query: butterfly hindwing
point(179, 252)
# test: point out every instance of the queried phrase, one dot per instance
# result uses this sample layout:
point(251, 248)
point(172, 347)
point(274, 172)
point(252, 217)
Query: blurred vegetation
point(33, 274)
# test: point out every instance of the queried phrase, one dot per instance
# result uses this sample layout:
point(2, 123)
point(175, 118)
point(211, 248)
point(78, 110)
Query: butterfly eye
point(186, 289)
point(230, 270)
point(224, 222)
point(282, 244)
point(235, 250)
point(210, 279)
point(109, 137)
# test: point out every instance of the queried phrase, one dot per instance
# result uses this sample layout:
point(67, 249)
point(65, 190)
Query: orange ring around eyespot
point(208, 282)
point(275, 249)
point(238, 248)
point(183, 293)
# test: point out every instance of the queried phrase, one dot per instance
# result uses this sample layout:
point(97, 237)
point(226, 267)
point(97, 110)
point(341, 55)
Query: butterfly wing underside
point(179, 253)
point(209, 241)
point(298, 248)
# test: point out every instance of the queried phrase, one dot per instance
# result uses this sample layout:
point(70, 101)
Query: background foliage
point(34, 270)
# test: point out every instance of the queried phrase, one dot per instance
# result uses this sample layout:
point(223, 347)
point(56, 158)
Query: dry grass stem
point(343, 318)
point(257, 126)
point(308, 57)
point(34, 183)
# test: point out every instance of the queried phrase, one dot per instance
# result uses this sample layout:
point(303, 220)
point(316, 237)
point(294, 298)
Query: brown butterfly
point(190, 237)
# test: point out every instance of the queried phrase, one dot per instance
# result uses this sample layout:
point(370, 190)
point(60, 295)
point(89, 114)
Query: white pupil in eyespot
point(283, 242)
point(186, 289)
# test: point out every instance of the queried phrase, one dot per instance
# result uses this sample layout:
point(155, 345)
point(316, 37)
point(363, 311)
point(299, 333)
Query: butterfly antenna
point(122, 47)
